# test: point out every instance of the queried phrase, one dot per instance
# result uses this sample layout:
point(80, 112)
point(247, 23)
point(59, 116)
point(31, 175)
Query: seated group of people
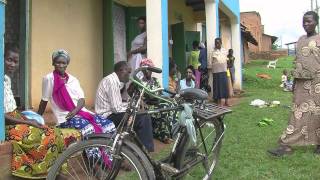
point(36, 145)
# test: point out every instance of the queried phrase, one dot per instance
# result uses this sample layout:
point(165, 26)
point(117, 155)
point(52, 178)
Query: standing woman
point(304, 126)
point(67, 100)
point(218, 64)
point(35, 146)
point(138, 46)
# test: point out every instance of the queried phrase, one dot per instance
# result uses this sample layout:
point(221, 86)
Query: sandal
point(227, 105)
point(280, 151)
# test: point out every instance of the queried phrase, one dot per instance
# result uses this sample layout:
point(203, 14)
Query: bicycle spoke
point(74, 171)
point(71, 175)
point(86, 171)
point(81, 166)
point(206, 138)
point(97, 170)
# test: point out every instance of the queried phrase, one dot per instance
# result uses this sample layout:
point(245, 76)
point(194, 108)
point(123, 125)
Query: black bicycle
point(186, 159)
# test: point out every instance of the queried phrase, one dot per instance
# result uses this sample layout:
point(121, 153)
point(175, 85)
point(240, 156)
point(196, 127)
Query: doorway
point(16, 34)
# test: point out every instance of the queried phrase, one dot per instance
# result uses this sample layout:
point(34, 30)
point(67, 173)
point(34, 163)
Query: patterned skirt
point(34, 149)
point(162, 123)
point(86, 128)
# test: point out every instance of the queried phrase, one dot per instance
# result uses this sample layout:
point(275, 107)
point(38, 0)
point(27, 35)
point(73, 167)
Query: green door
point(132, 30)
point(178, 47)
point(190, 37)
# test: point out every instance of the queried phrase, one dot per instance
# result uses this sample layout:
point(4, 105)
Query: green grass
point(244, 149)
point(243, 154)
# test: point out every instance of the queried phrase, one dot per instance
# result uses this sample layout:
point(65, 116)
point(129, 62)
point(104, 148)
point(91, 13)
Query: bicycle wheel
point(208, 149)
point(75, 164)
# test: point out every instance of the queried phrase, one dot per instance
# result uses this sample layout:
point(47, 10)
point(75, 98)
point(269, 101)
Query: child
point(284, 77)
point(288, 84)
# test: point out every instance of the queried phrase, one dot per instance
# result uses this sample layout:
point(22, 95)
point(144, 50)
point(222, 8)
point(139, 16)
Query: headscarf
point(60, 53)
point(146, 62)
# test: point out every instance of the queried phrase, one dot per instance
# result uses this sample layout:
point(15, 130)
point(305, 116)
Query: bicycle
point(126, 147)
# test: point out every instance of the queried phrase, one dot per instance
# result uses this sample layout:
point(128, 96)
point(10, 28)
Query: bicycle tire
point(183, 148)
point(139, 163)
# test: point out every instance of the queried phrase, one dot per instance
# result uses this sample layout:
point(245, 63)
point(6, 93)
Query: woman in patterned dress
point(35, 146)
point(304, 125)
point(160, 121)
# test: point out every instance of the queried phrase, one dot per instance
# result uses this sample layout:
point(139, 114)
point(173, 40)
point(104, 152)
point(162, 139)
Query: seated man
point(109, 103)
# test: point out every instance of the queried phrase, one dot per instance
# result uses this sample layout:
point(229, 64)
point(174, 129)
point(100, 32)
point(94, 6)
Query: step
point(5, 161)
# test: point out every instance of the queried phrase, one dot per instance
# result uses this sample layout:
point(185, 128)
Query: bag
point(32, 115)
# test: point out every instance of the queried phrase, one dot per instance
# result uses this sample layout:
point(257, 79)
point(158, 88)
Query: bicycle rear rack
point(210, 111)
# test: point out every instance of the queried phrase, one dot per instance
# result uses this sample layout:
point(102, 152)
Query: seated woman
point(188, 82)
point(67, 100)
point(173, 80)
point(35, 146)
point(160, 122)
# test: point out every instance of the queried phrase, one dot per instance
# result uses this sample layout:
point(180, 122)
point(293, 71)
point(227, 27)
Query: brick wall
point(268, 55)
point(266, 43)
point(252, 21)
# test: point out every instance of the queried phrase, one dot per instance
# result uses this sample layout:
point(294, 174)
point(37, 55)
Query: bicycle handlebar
point(152, 69)
point(170, 92)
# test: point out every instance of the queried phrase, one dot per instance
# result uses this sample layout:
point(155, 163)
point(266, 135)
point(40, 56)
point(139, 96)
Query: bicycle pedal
point(168, 168)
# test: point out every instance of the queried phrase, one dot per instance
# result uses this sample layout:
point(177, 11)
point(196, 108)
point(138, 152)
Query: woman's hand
point(70, 115)
point(35, 123)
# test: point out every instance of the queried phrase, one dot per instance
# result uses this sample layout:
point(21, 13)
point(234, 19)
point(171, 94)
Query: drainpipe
point(2, 26)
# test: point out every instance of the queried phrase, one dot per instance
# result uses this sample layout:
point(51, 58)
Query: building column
point(157, 37)
point(2, 25)
point(237, 52)
point(212, 24)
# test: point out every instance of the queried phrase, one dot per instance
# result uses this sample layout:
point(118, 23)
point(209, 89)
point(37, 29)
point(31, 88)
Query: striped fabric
point(108, 96)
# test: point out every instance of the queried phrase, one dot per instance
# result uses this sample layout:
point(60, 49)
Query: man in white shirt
point(109, 103)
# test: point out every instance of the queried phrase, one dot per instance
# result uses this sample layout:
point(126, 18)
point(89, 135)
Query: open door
point(16, 34)
point(178, 47)
point(190, 37)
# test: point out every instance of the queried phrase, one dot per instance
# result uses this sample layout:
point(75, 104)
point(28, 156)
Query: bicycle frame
point(126, 132)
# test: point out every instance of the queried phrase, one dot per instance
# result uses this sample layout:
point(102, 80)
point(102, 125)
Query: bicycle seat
point(193, 93)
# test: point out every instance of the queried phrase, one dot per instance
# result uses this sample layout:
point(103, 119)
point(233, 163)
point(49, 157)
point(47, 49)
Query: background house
point(263, 49)
point(247, 38)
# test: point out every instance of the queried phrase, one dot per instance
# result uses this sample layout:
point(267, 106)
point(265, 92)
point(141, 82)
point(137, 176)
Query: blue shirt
point(183, 84)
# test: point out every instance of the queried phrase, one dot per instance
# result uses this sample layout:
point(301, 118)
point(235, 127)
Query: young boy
point(284, 78)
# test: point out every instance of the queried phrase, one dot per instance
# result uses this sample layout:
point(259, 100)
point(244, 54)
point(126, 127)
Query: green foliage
point(243, 154)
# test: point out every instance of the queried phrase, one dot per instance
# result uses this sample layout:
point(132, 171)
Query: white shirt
point(284, 78)
point(218, 60)
point(108, 97)
point(74, 89)
point(9, 101)
point(183, 84)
